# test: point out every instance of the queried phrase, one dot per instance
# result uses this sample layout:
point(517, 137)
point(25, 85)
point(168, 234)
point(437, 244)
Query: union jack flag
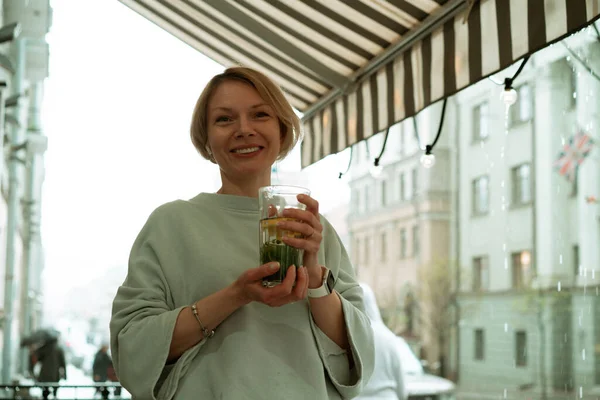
point(574, 152)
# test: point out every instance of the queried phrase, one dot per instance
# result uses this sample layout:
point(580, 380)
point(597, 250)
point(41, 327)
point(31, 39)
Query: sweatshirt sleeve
point(348, 382)
point(142, 323)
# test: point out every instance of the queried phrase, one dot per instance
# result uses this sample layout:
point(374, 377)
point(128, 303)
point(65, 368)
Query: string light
point(349, 163)
point(509, 95)
point(376, 170)
point(428, 158)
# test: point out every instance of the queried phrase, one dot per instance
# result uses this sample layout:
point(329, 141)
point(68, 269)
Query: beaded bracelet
point(205, 332)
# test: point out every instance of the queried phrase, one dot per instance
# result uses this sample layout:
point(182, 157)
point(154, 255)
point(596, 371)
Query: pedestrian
point(100, 366)
point(192, 319)
point(53, 366)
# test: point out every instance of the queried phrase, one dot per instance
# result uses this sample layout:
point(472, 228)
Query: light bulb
point(509, 96)
point(376, 171)
point(428, 160)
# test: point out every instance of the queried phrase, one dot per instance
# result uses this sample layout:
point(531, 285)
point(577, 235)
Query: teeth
point(248, 150)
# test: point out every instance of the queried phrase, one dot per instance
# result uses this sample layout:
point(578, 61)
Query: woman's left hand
point(308, 223)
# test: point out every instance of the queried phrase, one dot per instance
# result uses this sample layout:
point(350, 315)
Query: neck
point(247, 187)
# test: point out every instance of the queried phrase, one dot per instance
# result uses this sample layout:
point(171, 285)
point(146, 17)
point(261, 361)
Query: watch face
point(330, 281)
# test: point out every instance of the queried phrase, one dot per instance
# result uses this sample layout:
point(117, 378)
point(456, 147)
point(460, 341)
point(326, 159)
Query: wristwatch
point(326, 285)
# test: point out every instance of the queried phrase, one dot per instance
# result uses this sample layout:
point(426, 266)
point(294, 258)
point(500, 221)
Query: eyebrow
point(230, 109)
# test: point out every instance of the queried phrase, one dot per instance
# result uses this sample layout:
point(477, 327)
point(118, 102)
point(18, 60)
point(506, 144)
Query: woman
point(191, 274)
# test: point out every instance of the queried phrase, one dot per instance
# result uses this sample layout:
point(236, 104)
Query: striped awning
point(356, 67)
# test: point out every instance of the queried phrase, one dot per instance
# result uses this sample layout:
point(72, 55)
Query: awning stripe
point(246, 46)
point(368, 28)
point(489, 38)
point(474, 27)
point(455, 55)
point(356, 67)
point(503, 23)
point(203, 7)
point(395, 19)
point(306, 27)
point(536, 25)
point(450, 59)
point(576, 14)
point(427, 58)
point(336, 53)
point(212, 41)
point(410, 9)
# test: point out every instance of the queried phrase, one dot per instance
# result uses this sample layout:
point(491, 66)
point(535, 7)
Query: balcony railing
point(16, 391)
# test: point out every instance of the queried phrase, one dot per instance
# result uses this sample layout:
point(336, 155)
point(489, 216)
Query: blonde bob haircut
point(289, 123)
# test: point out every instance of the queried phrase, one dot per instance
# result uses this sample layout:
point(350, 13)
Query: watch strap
point(326, 285)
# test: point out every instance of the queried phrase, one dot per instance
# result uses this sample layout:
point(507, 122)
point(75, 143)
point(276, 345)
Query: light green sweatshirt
point(190, 249)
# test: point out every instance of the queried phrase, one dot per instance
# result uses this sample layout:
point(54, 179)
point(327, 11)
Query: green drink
point(272, 201)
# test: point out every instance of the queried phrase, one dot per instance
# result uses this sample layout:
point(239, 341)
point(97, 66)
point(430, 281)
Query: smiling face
point(244, 134)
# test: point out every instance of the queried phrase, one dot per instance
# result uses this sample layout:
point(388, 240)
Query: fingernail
point(273, 266)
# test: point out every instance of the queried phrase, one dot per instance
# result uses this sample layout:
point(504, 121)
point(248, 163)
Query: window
point(521, 184)
point(402, 243)
point(415, 182)
point(383, 189)
point(402, 187)
point(383, 248)
point(481, 195)
point(479, 345)
point(576, 259)
point(521, 348)
point(522, 110)
point(481, 274)
point(415, 235)
point(481, 115)
point(521, 269)
point(366, 251)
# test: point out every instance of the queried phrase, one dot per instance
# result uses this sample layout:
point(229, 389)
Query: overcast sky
point(117, 108)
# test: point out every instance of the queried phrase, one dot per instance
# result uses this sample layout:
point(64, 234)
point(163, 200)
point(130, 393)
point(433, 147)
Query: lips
point(246, 149)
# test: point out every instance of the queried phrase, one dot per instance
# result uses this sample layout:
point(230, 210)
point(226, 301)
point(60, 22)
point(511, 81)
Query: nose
point(244, 128)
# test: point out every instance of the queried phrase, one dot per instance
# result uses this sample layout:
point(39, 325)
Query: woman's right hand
point(249, 286)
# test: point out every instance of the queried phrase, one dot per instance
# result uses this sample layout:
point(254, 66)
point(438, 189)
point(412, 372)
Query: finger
point(255, 274)
point(284, 288)
point(303, 215)
point(301, 282)
point(312, 205)
point(311, 245)
point(272, 210)
point(295, 226)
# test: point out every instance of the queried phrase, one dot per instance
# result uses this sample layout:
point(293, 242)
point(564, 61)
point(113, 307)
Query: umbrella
point(40, 336)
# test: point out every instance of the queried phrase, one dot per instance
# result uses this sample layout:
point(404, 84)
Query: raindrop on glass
point(559, 286)
point(583, 354)
point(506, 328)
point(505, 393)
point(560, 259)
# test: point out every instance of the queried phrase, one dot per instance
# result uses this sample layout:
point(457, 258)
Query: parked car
point(418, 385)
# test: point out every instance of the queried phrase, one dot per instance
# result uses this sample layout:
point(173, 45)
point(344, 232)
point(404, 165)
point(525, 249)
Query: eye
point(222, 118)
point(262, 114)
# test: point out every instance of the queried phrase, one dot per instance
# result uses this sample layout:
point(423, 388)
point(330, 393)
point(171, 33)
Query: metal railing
point(107, 390)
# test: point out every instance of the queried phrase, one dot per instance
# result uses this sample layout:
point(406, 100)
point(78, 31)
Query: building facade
point(400, 217)
point(522, 241)
point(528, 241)
point(23, 68)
